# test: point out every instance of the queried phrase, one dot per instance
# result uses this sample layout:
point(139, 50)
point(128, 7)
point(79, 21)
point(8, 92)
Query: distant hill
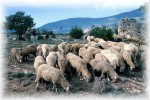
point(64, 26)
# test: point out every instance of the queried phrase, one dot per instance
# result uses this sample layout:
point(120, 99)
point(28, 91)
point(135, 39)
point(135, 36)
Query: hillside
point(64, 26)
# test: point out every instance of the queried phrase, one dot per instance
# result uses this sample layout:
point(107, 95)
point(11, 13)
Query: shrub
point(76, 32)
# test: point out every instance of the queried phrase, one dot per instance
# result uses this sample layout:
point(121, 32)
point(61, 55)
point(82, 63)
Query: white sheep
point(53, 75)
point(51, 59)
point(61, 62)
point(105, 68)
point(127, 56)
point(39, 60)
point(45, 50)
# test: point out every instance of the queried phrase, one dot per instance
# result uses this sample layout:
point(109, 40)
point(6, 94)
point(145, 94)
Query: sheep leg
point(108, 78)
point(102, 75)
point(37, 82)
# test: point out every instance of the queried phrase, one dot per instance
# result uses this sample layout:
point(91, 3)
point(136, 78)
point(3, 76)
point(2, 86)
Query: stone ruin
point(130, 27)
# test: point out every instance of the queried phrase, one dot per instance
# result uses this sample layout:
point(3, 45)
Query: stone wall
point(129, 27)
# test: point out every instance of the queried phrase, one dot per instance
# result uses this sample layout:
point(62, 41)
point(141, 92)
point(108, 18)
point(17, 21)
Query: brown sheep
point(51, 59)
point(104, 67)
point(77, 63)
point(86, 55)
point(54, 75)
point(61, 47)
point(29, 49)
point(15, 55)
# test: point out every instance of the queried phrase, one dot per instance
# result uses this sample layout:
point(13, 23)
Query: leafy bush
point(76, 32)
point(102, 32)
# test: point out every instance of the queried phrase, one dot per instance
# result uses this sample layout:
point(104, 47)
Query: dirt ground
point(19, 80)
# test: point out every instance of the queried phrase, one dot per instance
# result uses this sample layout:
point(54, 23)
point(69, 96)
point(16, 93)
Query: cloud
point(110, 4)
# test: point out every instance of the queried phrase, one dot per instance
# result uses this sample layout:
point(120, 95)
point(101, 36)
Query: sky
point(45, 11)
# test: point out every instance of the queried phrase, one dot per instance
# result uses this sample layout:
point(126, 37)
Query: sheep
point(133, 49)
point(113, 59)
point(94, 50)
point(39, 50)
point(51, 59)
point(61, 47)
point(104, 67)
point(143, 48)
point(54, 75)
point(118, 37)
point(121, 62)
point(68, 48)
point(53, 48)
point(143, 56)
point(127, 57)
point(39, 60)
point(100, 57)
point(76, 47)
point(93, 44)
point(45, 50)
point(61, 61)
point(29, 49)
point(86, 55)
point(90, 38)
point(117, 48)
point(15, 55)
point(79, 64)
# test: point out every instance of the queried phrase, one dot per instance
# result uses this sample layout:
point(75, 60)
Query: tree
point(19, 22)
point(102, 32)
point(76, 32)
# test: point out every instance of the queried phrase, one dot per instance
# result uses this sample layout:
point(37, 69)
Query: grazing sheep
point(100, 57)
point(133, 49)
point(94, 50)
point(127, 57)
point(54, 75)
point(77, 63)
point(86, 55)
point(29, 49)
point(104, 67)
point(61, 62)
point(39, 60)
point(113, 59)
point(39, 50)
point(15, 55)
point(51, 59)
point(45, 50)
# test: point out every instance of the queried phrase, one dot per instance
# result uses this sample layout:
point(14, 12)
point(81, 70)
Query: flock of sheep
point(54, 63)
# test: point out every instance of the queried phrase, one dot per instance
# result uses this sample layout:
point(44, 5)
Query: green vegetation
point(19, 22)
point(76, 32)
point(102, 32)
